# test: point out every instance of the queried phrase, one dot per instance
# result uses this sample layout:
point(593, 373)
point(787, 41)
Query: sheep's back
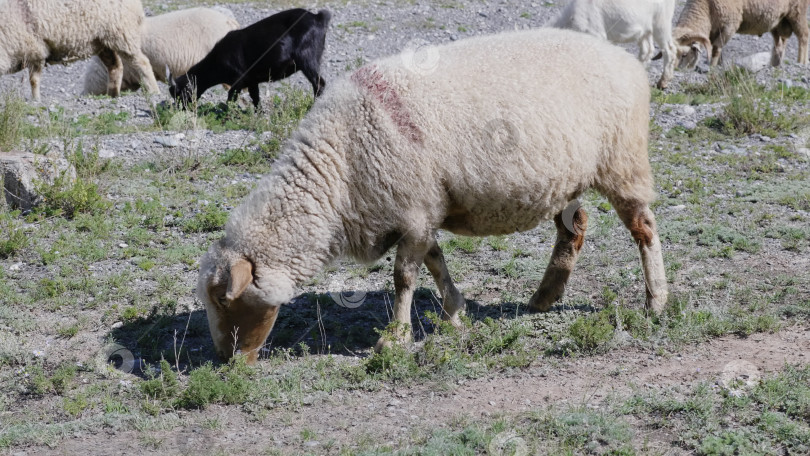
point(77, 29)
point(501, 131)
point(180, 39)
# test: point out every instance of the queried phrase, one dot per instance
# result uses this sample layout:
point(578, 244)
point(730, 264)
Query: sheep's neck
point(298, 211)
point(695, 17)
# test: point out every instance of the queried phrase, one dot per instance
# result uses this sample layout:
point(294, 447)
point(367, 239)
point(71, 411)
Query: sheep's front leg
point(452, 300)
point(645, 50)
point(140, 63)
point(779, 45)
point(34, 76)
point(639, 219)
point(563, 258)
point(253, 90)
point(406, 270)
point(670, 52)
point(233, 92)
point(115, 71)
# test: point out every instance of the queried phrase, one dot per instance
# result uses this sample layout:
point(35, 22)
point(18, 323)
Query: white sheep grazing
point(712, 23)
point(175, 40)
point(400, 149)
point(36, 32)
point(626, 21)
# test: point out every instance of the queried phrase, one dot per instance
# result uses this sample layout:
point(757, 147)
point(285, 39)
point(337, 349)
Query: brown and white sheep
point(712, 23)
point(36, 32)
point(390, 154)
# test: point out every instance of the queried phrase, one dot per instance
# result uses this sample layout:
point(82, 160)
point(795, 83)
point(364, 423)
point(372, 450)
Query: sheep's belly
point(495, 219)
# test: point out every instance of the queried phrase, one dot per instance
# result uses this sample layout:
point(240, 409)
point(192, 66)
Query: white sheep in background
point(175, 40)
point(36, 32)
point(626, 21)
point(392, 153)
point(712, 23)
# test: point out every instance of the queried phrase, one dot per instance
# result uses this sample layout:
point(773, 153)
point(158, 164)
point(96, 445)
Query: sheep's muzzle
point(241, 327)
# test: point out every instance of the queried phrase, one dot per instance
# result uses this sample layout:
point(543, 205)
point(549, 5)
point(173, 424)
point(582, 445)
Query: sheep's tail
point(324, 16)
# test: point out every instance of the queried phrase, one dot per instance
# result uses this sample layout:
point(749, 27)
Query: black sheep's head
point(181, 90)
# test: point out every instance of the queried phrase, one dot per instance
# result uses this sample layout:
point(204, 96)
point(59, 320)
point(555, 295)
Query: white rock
point(21, 171)
point(754, 62)
point(168, 141)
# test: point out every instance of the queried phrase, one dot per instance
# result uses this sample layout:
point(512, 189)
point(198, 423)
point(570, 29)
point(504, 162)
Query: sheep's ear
point(241, 277)
point(700, 38)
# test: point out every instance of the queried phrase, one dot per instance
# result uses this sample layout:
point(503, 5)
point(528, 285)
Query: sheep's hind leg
point(639, 219)
point(115, 71)
point(452, 300)
point(410, 255)
point(34, 75)
point(802, 31)
point(570, 238)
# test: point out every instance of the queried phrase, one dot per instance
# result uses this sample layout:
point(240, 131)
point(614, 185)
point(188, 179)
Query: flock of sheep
point(389, 154)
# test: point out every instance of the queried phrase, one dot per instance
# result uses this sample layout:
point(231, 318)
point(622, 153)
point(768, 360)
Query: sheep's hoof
point(657, 304)
point(541, 302)
point(661, 85)
point(384, 342)
point(389, 340)
point(455, 320)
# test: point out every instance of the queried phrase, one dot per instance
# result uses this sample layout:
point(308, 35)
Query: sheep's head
point(181, 90)
point(241, 300)
point(689, 50)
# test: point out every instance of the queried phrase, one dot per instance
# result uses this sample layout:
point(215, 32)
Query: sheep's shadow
point(319, 323)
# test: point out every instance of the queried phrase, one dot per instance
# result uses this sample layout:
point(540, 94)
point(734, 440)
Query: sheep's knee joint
point(641, 230)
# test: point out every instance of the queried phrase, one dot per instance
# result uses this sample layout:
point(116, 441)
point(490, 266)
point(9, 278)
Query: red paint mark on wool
point(372, 80)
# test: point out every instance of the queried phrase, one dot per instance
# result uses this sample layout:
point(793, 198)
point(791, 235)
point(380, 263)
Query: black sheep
point(269, 50)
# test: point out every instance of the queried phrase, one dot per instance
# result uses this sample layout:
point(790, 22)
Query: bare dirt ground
point(391, 412)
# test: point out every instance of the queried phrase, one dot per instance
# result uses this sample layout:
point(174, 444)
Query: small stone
point(168, 141)
point(106, 153)
point(117, 325)
point(15, 267)
point(482, 14)
point(679, 207)
point(687, 124)
point(123, 245)
point(688, 111)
